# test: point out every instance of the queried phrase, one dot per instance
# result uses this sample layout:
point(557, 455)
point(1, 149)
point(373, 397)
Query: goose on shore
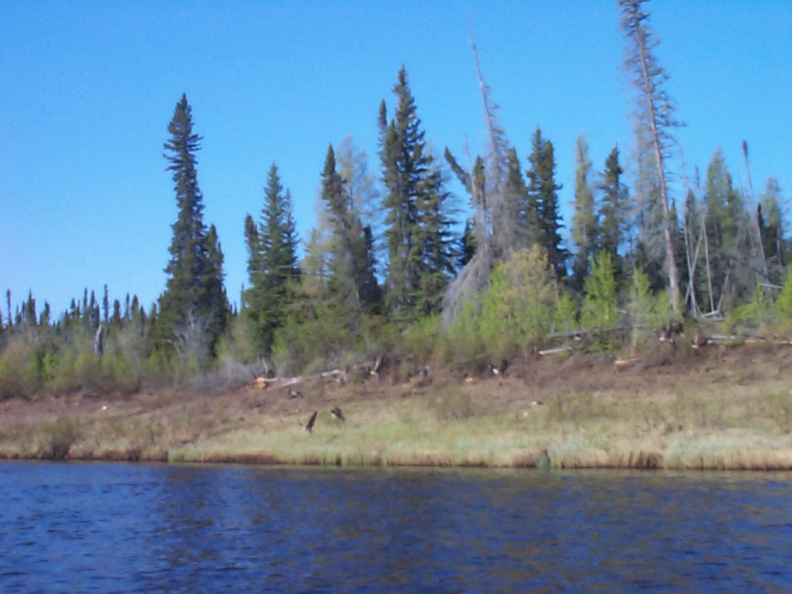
point(337, 414)
point(309, 426)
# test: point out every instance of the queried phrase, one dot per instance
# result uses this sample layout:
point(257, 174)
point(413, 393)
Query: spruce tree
point(272, 262)
point(543, 198)
point(189, 308)
point(612, 212)
point(415, 203)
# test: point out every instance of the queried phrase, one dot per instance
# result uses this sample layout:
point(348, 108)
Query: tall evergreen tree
point(414, 200)
point(193, 291)
point(272, 262)
point(728, 228)
point(612, 212)
point(543, 198)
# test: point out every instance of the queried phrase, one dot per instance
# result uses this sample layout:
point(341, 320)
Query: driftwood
point(556, 350)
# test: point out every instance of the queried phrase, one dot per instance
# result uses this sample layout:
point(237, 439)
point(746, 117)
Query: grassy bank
point(717, 408)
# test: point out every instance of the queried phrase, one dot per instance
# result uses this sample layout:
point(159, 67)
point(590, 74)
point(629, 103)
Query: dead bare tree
point(755, 214)
point(491, 208)
point(655, 112)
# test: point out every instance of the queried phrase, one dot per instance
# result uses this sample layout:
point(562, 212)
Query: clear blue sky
point(87, 89)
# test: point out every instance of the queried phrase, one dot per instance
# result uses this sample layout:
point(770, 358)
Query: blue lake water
point(67, 527)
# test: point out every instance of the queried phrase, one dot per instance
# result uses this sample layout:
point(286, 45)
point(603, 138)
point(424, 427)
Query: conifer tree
point(415, 201)
point(189, 317)
point(612, 212)
point(543, 198)
point(728, 229)
point(272, 262)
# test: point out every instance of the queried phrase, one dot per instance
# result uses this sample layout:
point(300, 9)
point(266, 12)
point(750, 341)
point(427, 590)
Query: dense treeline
point(397, 265)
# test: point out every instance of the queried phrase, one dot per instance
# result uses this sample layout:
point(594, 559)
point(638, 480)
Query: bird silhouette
point(311, 421)
point(337, 414)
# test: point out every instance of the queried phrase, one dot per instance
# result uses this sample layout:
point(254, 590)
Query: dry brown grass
point(718, 408)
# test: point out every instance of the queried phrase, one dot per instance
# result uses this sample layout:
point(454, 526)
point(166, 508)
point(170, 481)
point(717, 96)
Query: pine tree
point(188, 308)
point(272, 262)
point(543, 198)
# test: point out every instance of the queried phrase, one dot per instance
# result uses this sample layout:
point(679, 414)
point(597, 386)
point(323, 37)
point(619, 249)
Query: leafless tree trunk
point(656, 114)
point(754, 214)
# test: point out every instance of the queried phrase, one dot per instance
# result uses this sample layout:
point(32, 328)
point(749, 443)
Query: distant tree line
point(396, 264)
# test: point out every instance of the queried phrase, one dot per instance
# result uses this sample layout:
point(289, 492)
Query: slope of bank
point(714, 408)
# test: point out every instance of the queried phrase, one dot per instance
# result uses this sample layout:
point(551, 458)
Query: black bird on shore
point(311, 421)
point(337, 414)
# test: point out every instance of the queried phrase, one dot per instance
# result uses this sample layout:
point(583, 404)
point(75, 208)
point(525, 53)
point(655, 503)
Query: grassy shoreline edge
point(671, 409)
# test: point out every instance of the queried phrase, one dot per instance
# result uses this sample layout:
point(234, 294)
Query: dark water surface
point(125, 528)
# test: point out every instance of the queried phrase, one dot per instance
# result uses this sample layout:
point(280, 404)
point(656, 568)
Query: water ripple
point(152, 528)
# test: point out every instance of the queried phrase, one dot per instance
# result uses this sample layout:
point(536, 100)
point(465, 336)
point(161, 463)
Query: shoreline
point(669, 409)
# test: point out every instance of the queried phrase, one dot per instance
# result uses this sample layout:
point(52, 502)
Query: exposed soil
point(175, 417)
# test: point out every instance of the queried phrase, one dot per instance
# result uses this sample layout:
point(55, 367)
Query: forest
point(394, 271)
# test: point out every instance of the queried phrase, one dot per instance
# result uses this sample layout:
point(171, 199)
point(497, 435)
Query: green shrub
point(517, 307)
point(755, 314)
point(599, 304)
point(423, 338)
point(783, 304)
point(19, 375)
point(463, 334)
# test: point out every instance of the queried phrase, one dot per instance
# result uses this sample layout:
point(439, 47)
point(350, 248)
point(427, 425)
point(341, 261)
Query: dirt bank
point(716, 407)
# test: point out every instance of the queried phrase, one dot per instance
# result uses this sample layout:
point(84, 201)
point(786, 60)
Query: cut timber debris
point(555, 351)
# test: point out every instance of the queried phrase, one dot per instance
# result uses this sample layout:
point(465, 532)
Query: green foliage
point(565, 316)
point(317, 341)
point(194, 306)
point(613, 211)
point(517, 308)
point(599, 305)
point(424, 339)
point(417, 224)
point(272, 264)
point(18, 369)
point(648, 312)
point(543, 199)
point(783, 304)
point(463, 334)
point(758, 312)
